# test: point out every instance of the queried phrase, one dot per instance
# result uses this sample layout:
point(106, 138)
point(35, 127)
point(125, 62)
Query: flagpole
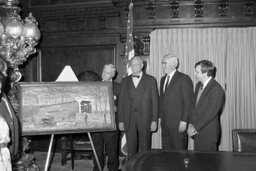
point(129, 47)
point(129, 54)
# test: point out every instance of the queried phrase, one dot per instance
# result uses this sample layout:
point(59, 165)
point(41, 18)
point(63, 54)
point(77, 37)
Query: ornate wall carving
point(103, 22)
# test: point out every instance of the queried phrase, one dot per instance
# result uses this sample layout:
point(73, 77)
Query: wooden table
point(160, 160)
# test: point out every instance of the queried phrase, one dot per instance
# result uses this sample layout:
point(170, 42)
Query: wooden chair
point(244, 140)
point(77, 145)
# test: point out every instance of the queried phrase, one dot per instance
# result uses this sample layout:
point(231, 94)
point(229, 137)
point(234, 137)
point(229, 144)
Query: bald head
point(136, 64)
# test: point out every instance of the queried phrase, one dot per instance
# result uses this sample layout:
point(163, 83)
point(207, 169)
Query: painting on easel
point(66, 107)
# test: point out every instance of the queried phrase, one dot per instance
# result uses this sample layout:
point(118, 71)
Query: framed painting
point(66, 107)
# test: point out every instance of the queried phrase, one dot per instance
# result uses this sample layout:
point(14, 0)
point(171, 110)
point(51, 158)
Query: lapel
point(141, 81)
point(197, 88)
point(206, 90)
point(130, 82)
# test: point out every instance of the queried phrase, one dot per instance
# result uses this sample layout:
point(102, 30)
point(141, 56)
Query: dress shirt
point(201, 89)
point(136, 80)
point(170, 77)
point(206, 82)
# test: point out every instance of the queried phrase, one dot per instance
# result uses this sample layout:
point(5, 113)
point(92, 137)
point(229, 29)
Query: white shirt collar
point(172, 73)
point(206, 82)
point(140, 74)
point(107, 81)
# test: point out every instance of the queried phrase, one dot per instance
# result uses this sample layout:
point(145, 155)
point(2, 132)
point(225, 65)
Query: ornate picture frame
point(66, 107)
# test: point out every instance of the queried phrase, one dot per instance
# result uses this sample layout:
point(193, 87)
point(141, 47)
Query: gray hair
point(138, 58)
point(110, 66)
point(171, 56)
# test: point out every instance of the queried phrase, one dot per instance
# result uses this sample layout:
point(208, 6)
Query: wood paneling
point(80, 58)
point(70, 27)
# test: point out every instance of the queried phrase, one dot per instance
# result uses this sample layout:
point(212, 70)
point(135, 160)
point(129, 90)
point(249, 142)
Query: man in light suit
point(138, 108)
point(210, 96)
point(176, 103)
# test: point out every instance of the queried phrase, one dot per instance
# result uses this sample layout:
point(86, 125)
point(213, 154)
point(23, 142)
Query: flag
point(129, 54)
point(129, 48)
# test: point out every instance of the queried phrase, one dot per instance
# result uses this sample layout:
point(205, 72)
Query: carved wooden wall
point(83, 30)
point(80, 58)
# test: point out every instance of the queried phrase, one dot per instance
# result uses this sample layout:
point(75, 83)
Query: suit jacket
point(176, 104)
point(149, 100)
point(206, 117)
point(116, 92)
point(12, 122)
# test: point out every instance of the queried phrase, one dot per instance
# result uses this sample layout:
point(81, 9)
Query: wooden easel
point(50, 149)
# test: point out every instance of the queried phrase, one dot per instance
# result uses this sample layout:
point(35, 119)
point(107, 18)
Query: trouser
point(172, 139)
point(111, 142)
point(138, 136)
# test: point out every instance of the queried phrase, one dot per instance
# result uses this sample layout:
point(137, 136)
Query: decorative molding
point(138, 46)
point(141, 42)
point(122, 7)
point(151, 9)
point(199, 8)
point(148, 15)
point(60, 3)
point(126, 12)
point(248, 8)
point(174, 8)
point(146, 42)
point(223, 8)
point(89, 12)
point(102, 23)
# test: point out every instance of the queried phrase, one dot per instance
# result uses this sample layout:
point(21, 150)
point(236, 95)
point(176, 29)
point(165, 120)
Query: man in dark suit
point(205, 123)
point(176, 104)
point(110, 138)
point(138, 108)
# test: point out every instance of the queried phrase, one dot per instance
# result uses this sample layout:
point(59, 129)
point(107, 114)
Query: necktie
point(136, 76)
point(199, 93)
point(166, 83)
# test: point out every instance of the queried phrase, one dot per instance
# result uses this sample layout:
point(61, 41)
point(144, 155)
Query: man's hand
point(182, 126)
point(159, 121)
point(153, 126)
point(121, 126)
point(191, 130)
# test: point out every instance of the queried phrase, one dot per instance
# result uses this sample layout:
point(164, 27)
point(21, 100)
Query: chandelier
point(18, 37)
